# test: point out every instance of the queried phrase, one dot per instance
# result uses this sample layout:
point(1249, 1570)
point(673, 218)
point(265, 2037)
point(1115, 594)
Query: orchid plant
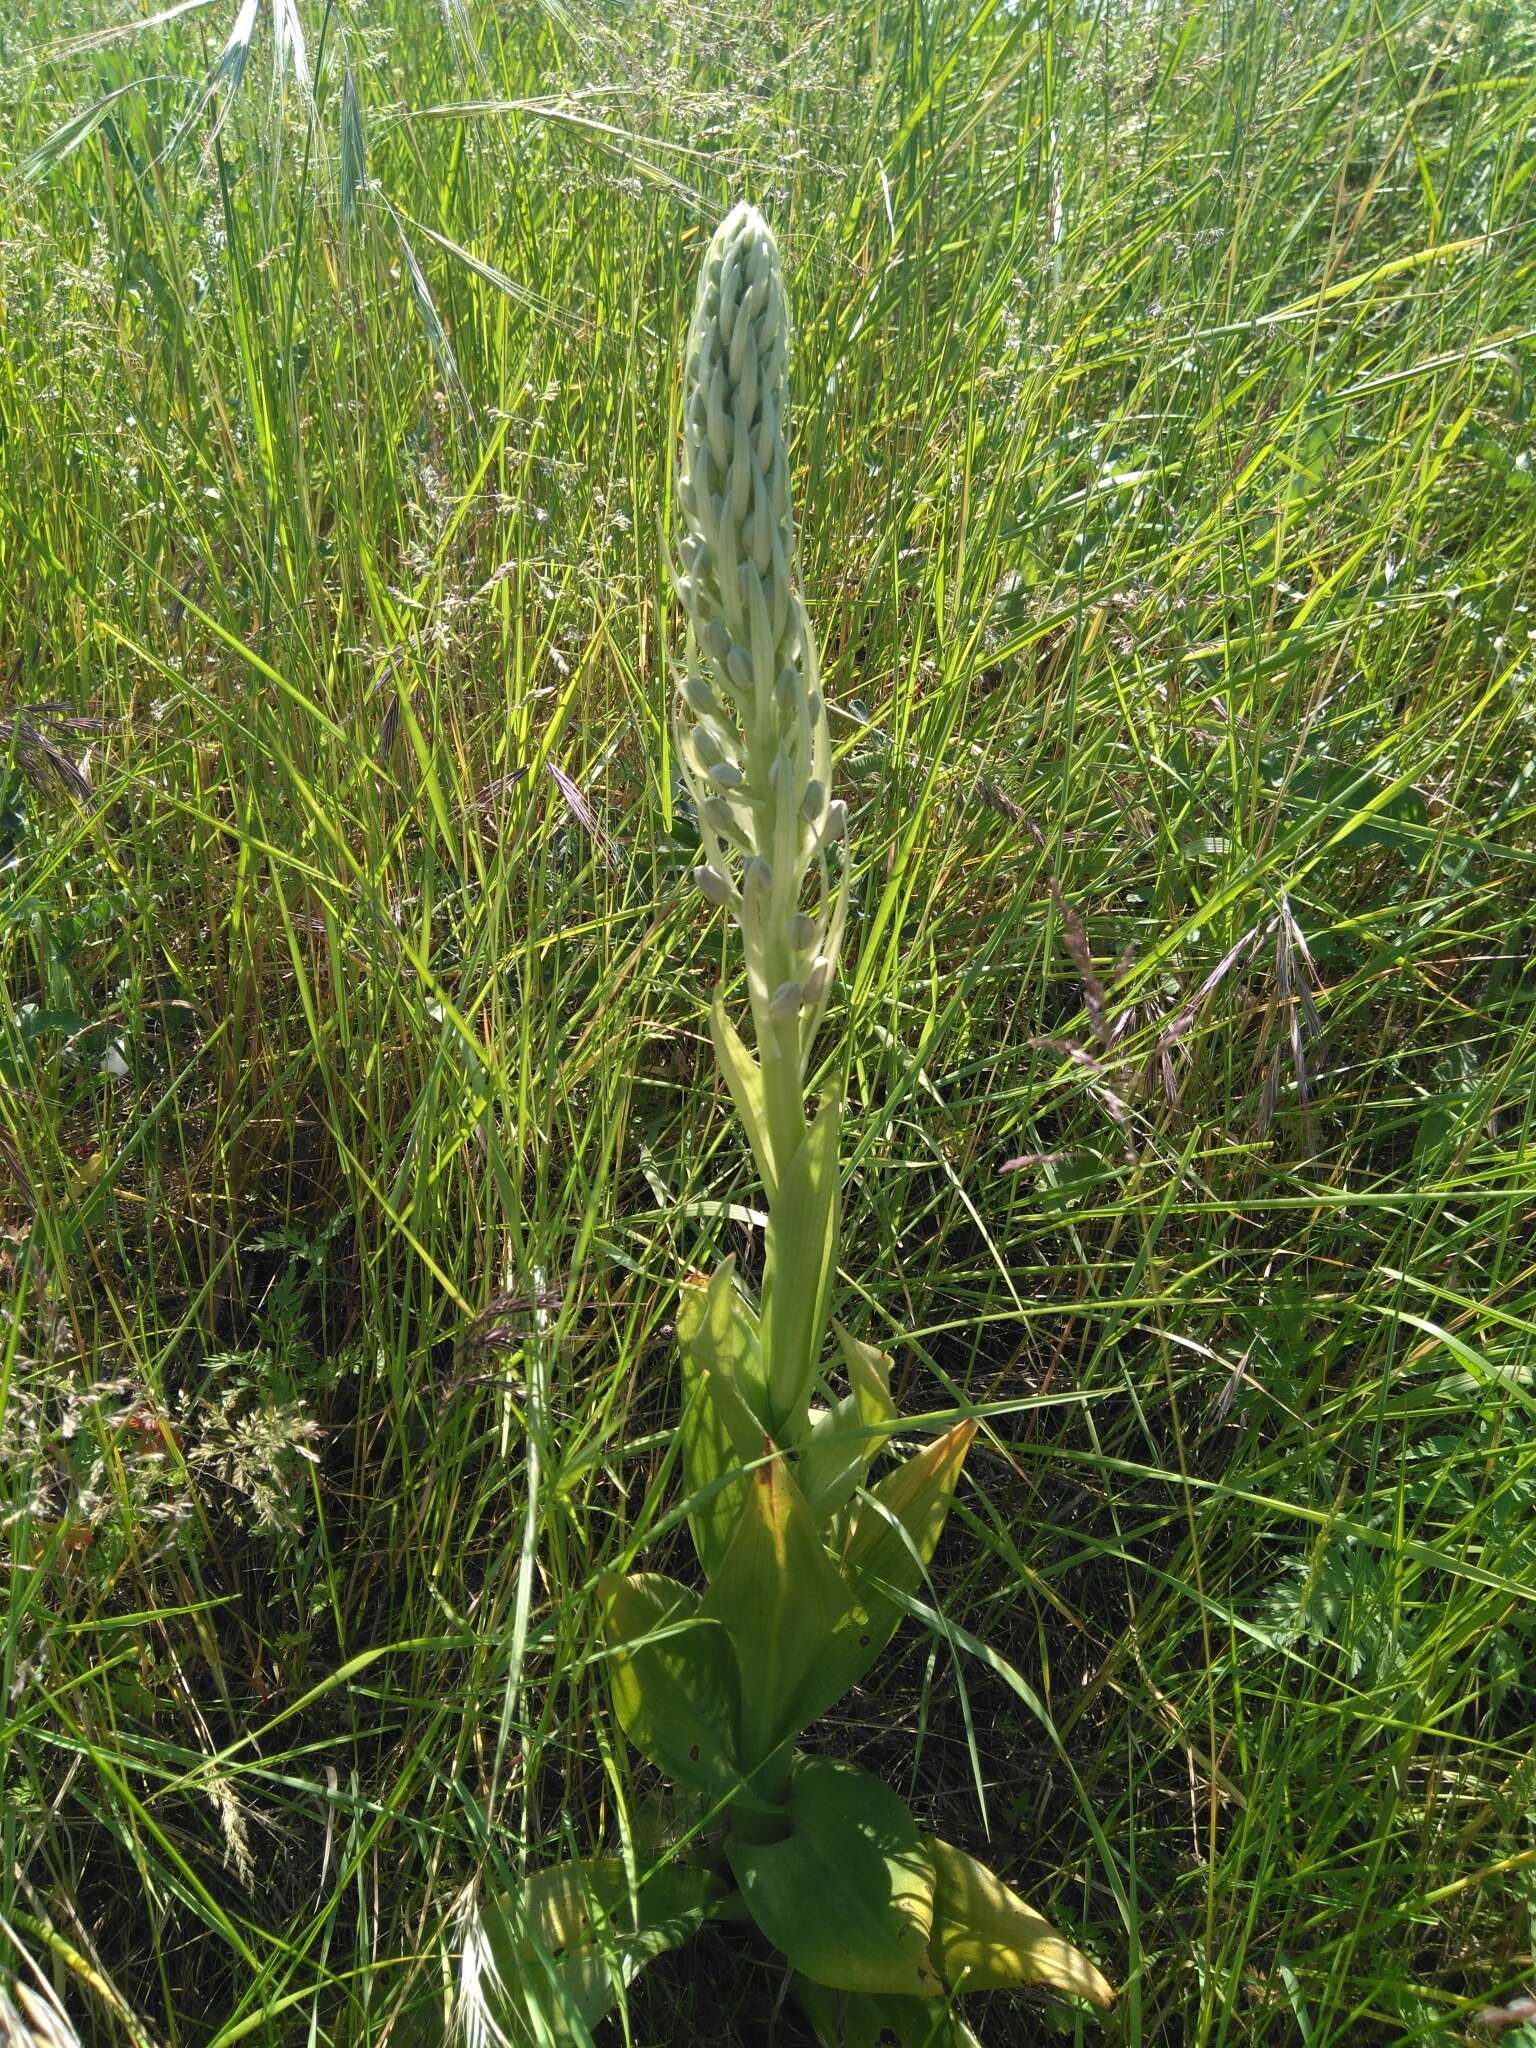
point(807, 1569)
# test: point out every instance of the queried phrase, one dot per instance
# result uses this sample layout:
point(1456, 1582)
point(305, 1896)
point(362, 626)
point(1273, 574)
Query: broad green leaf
point(837, 1452)
point(563, 1943)
point(801, 1255)
point(985, 1938)
point(893, 1539)
point(716, 1422)
point(781, 1600)
point(717, 1336)
point(869, 1375)
point(899, 1526)
point(858, 2019)
point(744, 1078)
point(673, 1680)
point(718, 1331)
point(847, 1894)
point(843, 1441)
point(559, 1904)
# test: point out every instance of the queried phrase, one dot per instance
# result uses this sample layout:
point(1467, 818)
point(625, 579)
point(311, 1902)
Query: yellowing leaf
point(985, 1938)
point(911, 1504)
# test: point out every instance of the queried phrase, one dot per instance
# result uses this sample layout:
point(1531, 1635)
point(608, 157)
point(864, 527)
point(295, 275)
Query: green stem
point(778, 1044)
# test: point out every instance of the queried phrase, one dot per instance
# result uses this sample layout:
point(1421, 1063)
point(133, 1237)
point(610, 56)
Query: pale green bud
point(706, 746)
point(713, 885)
point(699, 697)
point(738, 666)
point(721, 818)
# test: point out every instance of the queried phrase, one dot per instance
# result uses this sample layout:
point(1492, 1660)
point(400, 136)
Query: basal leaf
point(985, 1938)
point(561, 1945)
point(847, 1894)
point(673, 1680)
point(859, 2019)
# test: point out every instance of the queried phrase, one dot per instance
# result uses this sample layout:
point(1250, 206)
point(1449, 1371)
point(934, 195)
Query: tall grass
point(1164, 393)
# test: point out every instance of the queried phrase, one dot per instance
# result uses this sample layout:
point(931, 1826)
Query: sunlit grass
point(1162, 446)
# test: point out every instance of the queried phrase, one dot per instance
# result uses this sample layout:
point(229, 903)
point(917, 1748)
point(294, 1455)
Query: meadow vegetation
point(1163, 385)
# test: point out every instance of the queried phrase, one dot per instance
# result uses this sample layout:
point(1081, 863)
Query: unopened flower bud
point(818, 978)
point(738, 666)
point(757, 877)
point(699, 697)
point(713, 885)
point(719, 816)
point(803, 932)
point(836, 823)
point(785, 1001)
point(725, 775)
point(706, 746)
point(813, 802)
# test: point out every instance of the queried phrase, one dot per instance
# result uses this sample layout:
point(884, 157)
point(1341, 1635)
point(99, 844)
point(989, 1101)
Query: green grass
point(1164, 386)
